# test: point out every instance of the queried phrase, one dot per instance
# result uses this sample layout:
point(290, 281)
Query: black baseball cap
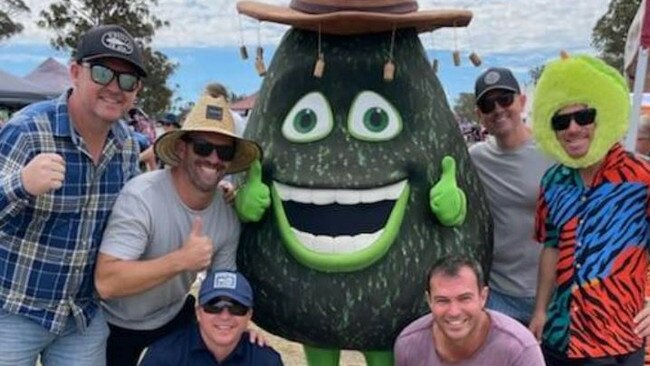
point(495, 78)
point(110, 41)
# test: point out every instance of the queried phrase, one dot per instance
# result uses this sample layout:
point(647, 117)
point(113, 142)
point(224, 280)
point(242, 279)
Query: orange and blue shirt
point(49, 243)
point(601, 232)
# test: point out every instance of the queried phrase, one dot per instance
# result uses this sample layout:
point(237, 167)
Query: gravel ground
point(292, 354)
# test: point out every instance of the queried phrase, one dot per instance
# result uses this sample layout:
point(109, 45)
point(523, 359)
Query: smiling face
point(503, 120)
point(457, 303)
point(222, 330)
point(203, 172)
point(575, 139)
point(106, 103)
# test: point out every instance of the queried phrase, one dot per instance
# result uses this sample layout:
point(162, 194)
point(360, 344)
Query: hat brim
point(139, 69)
point(496, 87)
point(213, 294)
point(246, 151)
point(355, 22)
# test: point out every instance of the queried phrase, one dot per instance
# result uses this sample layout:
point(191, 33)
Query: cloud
point(498, 26)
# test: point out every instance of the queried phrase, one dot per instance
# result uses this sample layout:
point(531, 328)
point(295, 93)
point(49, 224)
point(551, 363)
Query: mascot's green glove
point(254, 197)
point(447, 201)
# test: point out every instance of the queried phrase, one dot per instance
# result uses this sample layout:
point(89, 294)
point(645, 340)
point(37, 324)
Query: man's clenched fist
point(43, 173)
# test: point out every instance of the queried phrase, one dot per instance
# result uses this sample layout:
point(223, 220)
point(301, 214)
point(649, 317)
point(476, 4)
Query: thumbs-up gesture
point(254, 197)
point(447, 201)
point(43, 173)
point(196, 253)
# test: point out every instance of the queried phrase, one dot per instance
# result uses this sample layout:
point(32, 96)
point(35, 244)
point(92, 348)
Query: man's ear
point(485, 292)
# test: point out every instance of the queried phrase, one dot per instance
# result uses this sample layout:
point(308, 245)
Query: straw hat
point(347, 17)
point(210, 114)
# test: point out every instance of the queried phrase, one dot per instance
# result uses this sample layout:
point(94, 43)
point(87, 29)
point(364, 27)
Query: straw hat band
point(331, 6)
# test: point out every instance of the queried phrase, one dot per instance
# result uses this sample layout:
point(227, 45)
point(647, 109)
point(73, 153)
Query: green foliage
point(465, 107)
point(8, 11)
point(71, 18)
point(610, 32)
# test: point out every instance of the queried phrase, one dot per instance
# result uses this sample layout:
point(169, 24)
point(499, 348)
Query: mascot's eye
point(309, 120)
point(373, 118)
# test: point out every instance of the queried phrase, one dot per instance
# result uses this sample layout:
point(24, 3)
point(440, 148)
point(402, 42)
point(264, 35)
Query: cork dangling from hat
point(211, 114)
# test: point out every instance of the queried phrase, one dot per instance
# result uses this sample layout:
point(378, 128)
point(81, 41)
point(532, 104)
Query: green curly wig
point(586, 80)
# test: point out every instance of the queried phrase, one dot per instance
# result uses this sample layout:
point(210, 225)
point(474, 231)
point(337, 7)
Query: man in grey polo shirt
point(511, 168)
point(166, 226)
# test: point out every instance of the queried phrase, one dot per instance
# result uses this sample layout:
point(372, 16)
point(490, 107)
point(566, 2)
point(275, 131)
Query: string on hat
point(319, 68)
point(456, 53)
point(434, 62)
point(474, 58)
point(259, 58)
point(243, 52)
point(389, 66)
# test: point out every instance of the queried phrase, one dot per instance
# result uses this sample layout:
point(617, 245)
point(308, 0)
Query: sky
point(204, 38)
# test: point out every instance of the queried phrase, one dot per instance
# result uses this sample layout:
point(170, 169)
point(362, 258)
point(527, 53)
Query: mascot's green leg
point(321, 356)
point(379, 358)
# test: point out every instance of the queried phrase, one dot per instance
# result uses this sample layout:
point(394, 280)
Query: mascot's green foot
point(379, 358)
point(321, 356)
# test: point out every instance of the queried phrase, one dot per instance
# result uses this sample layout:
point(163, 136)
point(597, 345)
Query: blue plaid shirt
point(49, 243)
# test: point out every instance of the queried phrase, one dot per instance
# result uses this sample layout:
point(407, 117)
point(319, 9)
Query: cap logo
point(491, 77)
point(118, 41)
point(225, 280)
point(214, 112)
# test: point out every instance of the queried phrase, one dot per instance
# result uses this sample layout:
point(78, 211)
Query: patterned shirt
point(49, 243)
point(601, 233)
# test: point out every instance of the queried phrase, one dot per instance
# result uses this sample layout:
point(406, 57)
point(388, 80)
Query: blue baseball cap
point(226, 283)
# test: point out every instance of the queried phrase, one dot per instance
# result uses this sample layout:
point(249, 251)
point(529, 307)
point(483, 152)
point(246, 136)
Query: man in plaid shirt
point(62, 164)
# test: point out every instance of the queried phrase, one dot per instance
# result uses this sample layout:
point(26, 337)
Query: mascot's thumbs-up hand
point(254, 197)
point(447, 201)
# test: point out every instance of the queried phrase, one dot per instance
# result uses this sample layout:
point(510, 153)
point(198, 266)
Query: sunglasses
point(103, 75)
point(204, 149)
point(233, 307)
point(486, 105)
point(583, 117)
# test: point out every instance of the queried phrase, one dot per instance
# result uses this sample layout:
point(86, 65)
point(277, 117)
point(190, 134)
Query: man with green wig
point(592, 218)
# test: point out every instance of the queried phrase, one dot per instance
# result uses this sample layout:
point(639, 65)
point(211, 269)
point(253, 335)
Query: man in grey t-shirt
point(511, 168)
point(459, 331)
point(166, 226)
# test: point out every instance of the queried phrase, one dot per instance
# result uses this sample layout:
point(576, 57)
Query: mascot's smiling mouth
point(339, 230)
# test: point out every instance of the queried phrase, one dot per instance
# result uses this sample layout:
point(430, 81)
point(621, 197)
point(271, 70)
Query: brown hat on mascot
point(347, 17)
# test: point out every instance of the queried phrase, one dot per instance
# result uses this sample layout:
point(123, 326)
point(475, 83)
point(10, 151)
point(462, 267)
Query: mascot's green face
point(344, 226)
point(341, 257)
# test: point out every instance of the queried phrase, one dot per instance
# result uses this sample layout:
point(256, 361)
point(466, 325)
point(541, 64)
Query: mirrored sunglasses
point(103, 75)
point(583, 117)
point(233, 307)
point(488, 104)
point(204, 149)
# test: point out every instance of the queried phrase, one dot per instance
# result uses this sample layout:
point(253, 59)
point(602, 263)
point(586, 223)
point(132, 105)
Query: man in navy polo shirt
point(224, 310)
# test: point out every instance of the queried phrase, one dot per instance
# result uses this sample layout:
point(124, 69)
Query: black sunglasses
point(583, 117)
point(204, 148)
point(103, 75)
point(486, 105)
point(233, 307)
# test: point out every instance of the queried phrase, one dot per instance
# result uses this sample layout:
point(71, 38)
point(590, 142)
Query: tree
point(535, 73)
point(610, 32)
point(71, 18)
point(464, 107)
point(8, 11)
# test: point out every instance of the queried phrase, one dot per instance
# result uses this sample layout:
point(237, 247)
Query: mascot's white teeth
point(336, 245)
point(340, 196)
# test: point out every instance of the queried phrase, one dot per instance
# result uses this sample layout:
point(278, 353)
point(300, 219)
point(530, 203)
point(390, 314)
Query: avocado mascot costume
point(365, 181)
